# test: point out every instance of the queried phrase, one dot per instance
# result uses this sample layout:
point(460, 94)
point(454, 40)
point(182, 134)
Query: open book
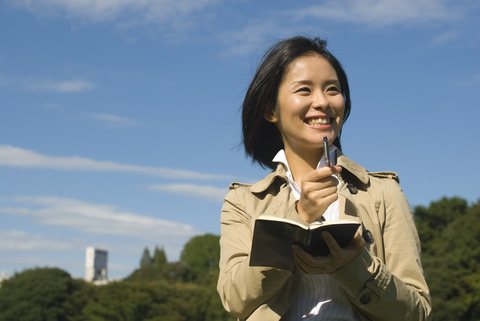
point(273, 238)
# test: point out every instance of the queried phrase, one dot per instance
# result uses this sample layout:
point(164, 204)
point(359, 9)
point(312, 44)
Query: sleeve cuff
point(363, 278)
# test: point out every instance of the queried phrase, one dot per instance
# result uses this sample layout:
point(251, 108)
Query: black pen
point(326, 151)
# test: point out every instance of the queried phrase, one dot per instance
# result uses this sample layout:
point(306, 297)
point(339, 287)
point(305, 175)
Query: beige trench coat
point(384, 282)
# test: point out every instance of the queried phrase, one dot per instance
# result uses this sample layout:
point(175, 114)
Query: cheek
point(288, 107)
point(340, 111)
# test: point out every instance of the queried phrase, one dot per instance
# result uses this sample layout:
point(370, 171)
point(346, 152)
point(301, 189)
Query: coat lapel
point(346, 204)
point(282, 204)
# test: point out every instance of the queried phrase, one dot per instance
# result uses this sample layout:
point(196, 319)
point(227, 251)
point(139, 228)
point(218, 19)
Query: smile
point(317, 121)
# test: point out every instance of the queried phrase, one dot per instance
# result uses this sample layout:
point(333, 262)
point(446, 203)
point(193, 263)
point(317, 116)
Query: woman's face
point(309, 106)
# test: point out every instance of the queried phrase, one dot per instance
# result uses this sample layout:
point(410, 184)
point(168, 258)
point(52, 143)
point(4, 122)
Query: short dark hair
point(261, 138)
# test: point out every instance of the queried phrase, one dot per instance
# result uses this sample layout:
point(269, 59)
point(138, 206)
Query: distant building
point(96, 265)
point(3, 277)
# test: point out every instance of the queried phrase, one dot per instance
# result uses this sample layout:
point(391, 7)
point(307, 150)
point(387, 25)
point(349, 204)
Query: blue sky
point(120, 124)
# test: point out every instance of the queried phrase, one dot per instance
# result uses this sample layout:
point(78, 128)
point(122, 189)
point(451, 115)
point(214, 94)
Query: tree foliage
point(146, 261)
point(186, 290)
point(42, 294)
point(161, 291)
point(450, 233)
point(202, 254)
point(174, 272)
point(147, 301)
point(159, 257)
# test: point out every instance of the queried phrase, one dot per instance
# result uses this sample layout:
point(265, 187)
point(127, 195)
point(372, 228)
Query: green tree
point(146, 261)
point(432, 220)
point(170, 292)
point(450, 234)
point(42, 294)
point(173, 272)
point(117, 302)
point(148, 301)
point(159, 257)
point(202, 255)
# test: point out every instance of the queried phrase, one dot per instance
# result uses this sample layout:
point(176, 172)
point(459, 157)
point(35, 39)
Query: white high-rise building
point(95, 265)
point(3, 277)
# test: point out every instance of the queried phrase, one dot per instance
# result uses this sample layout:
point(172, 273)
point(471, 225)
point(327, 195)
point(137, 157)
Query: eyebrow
point(302, 82)
point(309, 82)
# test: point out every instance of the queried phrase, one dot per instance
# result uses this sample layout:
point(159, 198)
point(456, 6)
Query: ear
point(271, 115)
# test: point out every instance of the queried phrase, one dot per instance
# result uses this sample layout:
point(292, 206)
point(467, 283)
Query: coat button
point(365, 299)
point(368, 236)
point(352, 189)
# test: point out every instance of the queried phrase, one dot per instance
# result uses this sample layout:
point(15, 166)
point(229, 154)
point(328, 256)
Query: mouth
point(318, 121)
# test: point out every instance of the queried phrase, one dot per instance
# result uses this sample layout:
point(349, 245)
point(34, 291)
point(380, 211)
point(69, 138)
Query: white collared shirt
point(332, 211)
point(319, 297)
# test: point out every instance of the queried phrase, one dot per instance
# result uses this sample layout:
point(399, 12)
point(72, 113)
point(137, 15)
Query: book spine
point(308, 239)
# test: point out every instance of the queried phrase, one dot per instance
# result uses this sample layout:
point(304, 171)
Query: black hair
point(261, 138)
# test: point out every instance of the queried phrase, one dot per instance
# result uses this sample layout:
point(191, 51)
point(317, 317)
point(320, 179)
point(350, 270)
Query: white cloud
point(383, 12)
point(21, 250)
point(371, 13)
point(67, 86)
point(21, 241)
point(18, 157)
point(114, 120)
point(174, 12)
point(39, 84)
point(93, 218)
point(250, 38)
point(126, 11)
point(444, 38)
point(207, 192)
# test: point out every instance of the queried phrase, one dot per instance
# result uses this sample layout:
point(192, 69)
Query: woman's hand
point(336, 259)
point(318, 191)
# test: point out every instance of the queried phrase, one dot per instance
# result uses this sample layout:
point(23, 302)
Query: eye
point(333, 90)
point(303, 89)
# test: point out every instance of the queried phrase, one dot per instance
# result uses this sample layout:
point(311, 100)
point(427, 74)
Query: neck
point(301, 164)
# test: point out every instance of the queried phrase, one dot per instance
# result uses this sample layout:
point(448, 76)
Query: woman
point(298, 95)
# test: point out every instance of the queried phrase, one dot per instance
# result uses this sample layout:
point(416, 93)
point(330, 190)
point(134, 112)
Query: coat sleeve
point(243, 288)
point(395, 289)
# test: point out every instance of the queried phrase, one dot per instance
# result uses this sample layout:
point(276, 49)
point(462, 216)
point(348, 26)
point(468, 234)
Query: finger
point(329, 181)
point(332, 244)
point(300, 264)
point(308, 263)
point(326, 187)
point(324, 193)
point(299, 251)
point(321, 173)
point(358, 241)
point(302, 257)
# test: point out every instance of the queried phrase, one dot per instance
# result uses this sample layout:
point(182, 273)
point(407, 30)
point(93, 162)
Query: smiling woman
point(310, 106)
point(261, 101)
point(299, 98)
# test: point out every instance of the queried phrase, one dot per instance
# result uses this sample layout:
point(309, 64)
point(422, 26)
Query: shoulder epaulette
point(236, 185)
point(385, 174)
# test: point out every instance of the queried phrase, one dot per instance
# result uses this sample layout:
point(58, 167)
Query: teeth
point(318, 121)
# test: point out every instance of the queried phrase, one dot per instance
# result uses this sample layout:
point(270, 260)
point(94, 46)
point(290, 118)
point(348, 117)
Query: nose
point(319, 101)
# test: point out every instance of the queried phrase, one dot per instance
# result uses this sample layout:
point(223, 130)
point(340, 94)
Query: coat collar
point(358, 171)
point(262, 185)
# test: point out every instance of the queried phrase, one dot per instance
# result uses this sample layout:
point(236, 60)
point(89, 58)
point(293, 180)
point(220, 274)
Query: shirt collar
point(282, 170)
point(282, 158)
